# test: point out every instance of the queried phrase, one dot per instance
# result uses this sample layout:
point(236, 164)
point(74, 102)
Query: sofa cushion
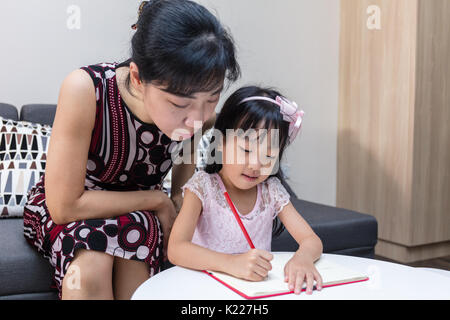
point(23, 270)
point(341, 231)
point(38, 113)
point(8, 111)
point(23, 148)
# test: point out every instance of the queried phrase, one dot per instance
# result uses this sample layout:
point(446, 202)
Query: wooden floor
point(438, 263)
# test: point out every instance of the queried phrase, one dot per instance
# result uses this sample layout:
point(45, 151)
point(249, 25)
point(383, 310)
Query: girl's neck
point(244, 200)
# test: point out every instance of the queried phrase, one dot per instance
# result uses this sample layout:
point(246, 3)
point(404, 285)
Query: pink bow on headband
point(290, 112)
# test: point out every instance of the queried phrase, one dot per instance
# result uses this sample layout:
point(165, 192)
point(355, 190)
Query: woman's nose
point(196, 118)
point(190, 122)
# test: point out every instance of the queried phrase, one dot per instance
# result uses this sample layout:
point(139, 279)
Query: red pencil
point(238, 219)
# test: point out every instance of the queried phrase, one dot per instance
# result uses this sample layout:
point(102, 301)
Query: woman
point(100, 208)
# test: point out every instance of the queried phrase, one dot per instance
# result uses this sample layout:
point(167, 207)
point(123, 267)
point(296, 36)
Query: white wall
point(37, 49)
point(289, 44)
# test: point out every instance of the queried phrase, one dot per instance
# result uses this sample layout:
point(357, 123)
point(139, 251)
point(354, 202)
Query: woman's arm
point(65, 173)
point(301, 266)
point(180, 175)
point(253, 265)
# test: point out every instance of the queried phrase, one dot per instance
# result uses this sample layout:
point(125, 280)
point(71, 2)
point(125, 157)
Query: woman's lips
point(187, 135)
point(183, 134)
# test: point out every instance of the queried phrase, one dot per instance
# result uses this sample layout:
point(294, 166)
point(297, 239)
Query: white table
point(386, 281)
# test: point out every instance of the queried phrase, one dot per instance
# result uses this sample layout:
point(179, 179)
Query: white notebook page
point(331, 272)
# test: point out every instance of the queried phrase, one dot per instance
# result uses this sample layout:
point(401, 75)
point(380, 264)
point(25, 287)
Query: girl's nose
point(254, 163)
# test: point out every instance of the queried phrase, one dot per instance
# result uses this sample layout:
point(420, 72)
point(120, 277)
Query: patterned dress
point(125, 154)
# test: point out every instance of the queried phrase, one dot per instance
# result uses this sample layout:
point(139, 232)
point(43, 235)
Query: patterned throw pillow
point(23, 149)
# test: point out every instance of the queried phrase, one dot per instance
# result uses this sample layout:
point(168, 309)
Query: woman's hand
point(299, 269)
point(166, 214)
point(253, 265)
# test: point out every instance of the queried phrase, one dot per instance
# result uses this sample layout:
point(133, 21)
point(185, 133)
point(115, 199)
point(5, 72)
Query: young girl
point(206, 235)
point(99, 214)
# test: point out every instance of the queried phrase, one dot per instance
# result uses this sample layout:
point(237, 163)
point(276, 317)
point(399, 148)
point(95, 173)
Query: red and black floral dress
point(125, 154)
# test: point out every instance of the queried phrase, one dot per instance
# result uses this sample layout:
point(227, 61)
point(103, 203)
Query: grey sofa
point(24, 274)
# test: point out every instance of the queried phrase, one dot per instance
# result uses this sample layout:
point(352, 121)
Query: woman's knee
point(128, 275)
point(90, 274)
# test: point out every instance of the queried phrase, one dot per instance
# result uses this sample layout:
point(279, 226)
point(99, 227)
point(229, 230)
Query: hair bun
point(141, 8)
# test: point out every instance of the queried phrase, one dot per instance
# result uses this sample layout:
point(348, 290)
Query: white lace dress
point(217, 228)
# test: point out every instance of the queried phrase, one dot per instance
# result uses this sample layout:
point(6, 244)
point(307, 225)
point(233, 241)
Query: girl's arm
point(253, 265)
point(66, 198)
point(301, 266)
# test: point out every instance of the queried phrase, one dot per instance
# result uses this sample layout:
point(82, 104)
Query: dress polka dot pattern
point(125, 154)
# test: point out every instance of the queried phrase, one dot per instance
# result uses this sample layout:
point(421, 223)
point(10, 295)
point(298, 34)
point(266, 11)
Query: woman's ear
point(134, 77)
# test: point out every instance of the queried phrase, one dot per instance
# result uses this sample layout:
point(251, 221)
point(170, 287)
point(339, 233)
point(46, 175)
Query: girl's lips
point(249, 178)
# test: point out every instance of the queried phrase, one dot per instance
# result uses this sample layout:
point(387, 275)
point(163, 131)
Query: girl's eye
point(245, 150)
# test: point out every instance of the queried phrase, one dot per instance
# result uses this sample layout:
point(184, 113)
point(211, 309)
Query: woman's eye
point(179, 106)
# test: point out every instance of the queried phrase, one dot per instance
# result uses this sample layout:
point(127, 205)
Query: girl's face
point(251, 158)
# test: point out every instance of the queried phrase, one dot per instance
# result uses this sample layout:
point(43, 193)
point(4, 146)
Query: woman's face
point(179, 117)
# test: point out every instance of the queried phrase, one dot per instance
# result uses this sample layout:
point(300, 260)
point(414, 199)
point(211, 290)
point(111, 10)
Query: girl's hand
point(166, 215)
point(253, 265)
point(299, 269)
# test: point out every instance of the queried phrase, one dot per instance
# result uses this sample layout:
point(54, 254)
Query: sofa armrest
point(339, 229)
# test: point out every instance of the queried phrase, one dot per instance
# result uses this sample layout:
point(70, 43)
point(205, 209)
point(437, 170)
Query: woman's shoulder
point(77, 97)
point(102, 68)
point(100, 71)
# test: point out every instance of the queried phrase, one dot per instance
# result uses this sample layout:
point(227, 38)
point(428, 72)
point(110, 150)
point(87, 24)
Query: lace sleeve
point(197, 184)
point(278, 194)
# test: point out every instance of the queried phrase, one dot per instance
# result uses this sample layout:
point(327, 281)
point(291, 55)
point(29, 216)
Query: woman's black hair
point(179, 44)
point(255, 114)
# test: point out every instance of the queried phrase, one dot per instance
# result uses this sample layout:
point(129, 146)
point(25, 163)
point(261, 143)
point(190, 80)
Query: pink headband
point(289, 110)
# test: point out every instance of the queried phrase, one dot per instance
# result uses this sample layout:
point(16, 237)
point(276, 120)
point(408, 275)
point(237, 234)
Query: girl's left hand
point(299, 269)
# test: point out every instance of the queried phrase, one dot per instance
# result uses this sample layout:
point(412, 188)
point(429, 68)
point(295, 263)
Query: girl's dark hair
point(181, 45)
point(250, 115)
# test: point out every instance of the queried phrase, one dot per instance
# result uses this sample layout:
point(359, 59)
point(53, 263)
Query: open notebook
point(332, 274)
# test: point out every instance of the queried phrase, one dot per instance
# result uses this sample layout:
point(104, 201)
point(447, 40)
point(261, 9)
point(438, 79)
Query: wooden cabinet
point(394, 122)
